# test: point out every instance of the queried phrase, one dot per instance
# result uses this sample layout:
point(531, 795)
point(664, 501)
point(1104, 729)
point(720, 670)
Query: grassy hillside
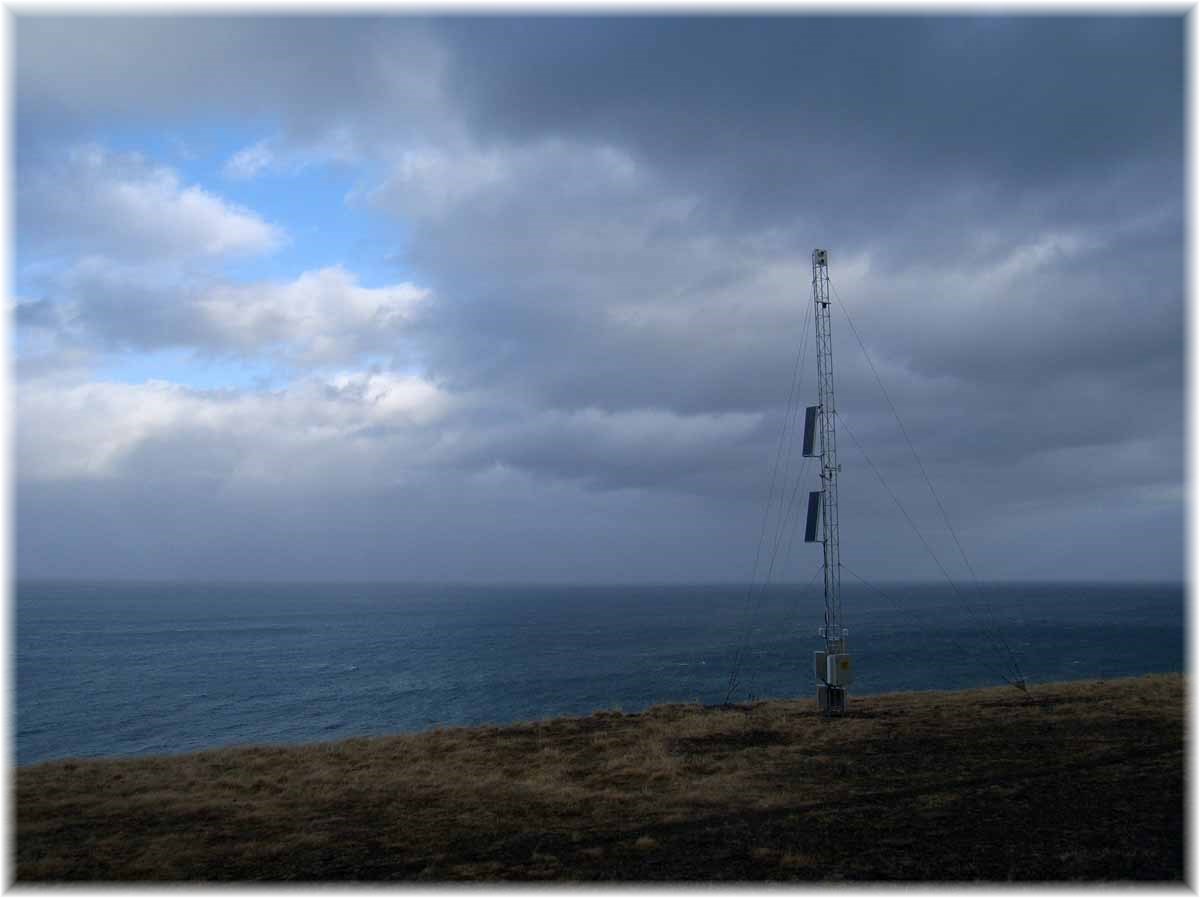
point(1075, 781)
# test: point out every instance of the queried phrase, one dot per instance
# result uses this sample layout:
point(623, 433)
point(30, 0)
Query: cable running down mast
point(833, 667)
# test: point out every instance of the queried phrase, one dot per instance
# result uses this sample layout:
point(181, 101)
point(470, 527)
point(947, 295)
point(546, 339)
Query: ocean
point(105, 669)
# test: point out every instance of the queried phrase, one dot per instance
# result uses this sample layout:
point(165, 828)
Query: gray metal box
point(839, 670)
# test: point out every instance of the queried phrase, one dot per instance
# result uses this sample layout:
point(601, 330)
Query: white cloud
point(317, 428)
point(352, 429)
point(247, 163)
point(430, 183)
point(291, 156)
point(547, 179)
point(321, 316)
point(121, 205)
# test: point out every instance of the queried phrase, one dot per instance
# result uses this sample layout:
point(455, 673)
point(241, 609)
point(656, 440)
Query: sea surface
point(151, 668)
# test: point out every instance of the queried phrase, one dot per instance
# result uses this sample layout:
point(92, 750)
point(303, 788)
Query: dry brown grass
point(1075, 781)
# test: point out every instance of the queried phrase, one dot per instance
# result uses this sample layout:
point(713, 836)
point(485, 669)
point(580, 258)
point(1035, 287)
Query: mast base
point(832, 700)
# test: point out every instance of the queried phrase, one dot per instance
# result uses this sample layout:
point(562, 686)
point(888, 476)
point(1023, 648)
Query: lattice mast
point(826, 415)
point(833, 667)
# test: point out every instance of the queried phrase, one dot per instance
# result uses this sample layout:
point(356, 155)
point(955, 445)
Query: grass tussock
point(1080, 781)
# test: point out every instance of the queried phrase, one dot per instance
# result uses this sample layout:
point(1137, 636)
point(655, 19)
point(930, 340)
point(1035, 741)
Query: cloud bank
point(579, 362)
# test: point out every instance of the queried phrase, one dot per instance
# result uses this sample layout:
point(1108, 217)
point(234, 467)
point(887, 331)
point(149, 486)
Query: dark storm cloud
point(776, 111)
point(1006, 176)
point(720, 334)
point(1015, 187)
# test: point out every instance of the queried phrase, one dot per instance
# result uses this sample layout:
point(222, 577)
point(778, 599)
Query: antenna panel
point(810, 430)
point(814, 508)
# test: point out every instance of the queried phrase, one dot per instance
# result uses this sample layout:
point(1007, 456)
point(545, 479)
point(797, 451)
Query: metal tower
point(833, 667)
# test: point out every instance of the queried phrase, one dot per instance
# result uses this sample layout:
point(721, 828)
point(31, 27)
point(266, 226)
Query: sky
point(520, 298)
